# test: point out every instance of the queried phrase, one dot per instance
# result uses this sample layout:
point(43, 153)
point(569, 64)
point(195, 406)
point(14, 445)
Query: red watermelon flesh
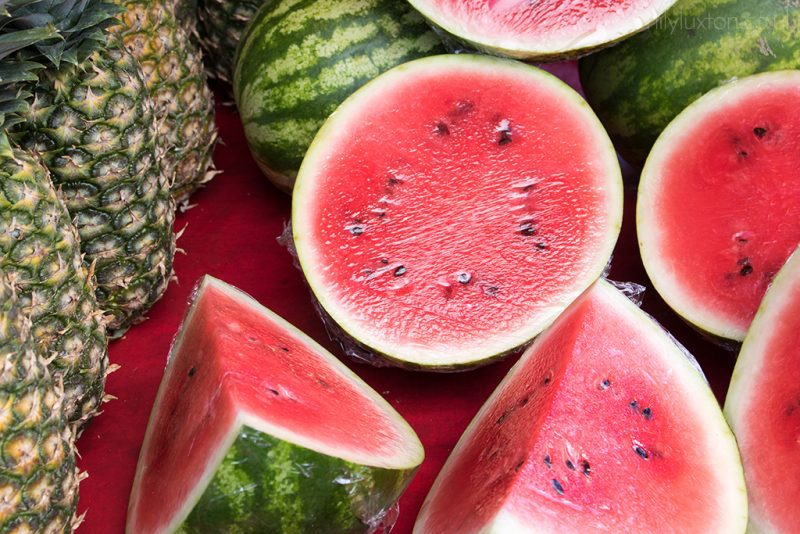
point(603, 425)
point(541, 30)
point(450, 209)
point(763, 406)
point(236, 364)
point(719, 201)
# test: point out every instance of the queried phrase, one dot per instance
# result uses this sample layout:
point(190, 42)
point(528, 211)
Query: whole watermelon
point(298, 60)
point(639, 86)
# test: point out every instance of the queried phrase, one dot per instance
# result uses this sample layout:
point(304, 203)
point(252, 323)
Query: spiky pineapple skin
point(38, 477)
point(94, 128)
point(40, 254)
point(220, 25)
point(173, 71)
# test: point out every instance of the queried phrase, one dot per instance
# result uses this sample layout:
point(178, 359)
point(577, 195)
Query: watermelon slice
point(451, 208)
point(604, 425)
point(763, 406)
point(718, 211)
point(537, 30)
point(257, 429)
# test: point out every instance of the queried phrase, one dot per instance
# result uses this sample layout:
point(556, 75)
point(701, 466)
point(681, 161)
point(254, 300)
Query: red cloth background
point(231, 233)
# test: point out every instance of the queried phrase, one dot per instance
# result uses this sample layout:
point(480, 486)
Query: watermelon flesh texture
point(445, 229)
point(763, 406)
point(257, 428)
point(603, 425)
point(541, 30)
point(718, 208)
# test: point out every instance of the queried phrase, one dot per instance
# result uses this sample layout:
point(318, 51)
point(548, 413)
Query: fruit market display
point(448, 212)
point(445, 229)
point(762, 405)
point(604, 424)
point(290, 77)
point(718, 211)
point(262, 430)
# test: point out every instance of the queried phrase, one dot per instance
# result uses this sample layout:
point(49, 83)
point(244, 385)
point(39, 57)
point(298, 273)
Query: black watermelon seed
point(505, 138)
point(523, 401)
point(442, 129)
point(547, 380)
point(519, 465)
point(381, 214)
point(548, 461)
point(586, 469)
point(192, 371)
point(641, 451)
point(605, 384)
point(743, 154)
point(557, 486)
point(747, 270)
point(464, 278)
point(647, 413)
point(400, 271)
point(502, 418)
point(760, 132)
point(492, 291)
point(634, 405)
point(356, 229)
point(570, 465)
point(274, 391)
point(527, 228)
point(285, 349)
point(384, 260)
point(541, 246)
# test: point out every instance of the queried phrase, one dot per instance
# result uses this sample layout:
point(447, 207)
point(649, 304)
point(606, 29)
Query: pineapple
point(221, 24)
point(38, 477)
point(92, 124)
point(173, 72)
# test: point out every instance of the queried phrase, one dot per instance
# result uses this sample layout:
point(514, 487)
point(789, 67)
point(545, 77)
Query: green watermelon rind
point(725, 443)
point(640, 85)
point(299, 59)
point(746, 373)
point(366, 487)
point(546, 49)
point(695, 312)
point(479, 356)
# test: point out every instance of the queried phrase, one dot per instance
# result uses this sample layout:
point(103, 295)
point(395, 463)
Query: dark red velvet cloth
point(231, 233)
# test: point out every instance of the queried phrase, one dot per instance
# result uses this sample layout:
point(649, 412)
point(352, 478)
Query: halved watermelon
point(763, 406)
point(257, 429)
point(604, 425)
point(718, 210)
point(541, 30)
point(451, 208)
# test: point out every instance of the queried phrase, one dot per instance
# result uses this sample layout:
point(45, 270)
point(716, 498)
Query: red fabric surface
point(231, 234)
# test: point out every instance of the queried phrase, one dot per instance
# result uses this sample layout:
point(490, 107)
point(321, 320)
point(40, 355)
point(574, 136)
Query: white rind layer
point(433, 355)
point(730, 486)
point(669, 285)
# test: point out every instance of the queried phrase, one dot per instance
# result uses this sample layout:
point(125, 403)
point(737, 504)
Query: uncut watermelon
point(718, 211)
point(763, 406)
point(450, 209)
point(541, 31)
point(298, 61)
point(640, 85)
point(604, 425)
point(257, 429)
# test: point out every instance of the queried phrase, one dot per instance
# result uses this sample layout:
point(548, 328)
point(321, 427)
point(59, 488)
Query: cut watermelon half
point(718, 211)
point(604, 425)
point(763, 406)
point(451, 208)
point(541, 31)
point(258, 429)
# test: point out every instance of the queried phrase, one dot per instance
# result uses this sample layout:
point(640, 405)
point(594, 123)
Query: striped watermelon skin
point(299, 59)
point(639, 86)
point(266, 485)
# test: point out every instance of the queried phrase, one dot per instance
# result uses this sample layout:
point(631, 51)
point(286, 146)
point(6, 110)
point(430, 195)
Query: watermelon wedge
point(450, 209)
point(537, 30)
point(604, 425)
point(257, 429)
point(718, 210)
point(763, 406)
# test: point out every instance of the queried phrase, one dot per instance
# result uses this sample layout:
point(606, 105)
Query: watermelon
point(541, 31)
point(639, 86)
point(257, 429)
point(604, 425)
point(450, 209)
point(298, 60)
point(763, 406)
point(718, 211)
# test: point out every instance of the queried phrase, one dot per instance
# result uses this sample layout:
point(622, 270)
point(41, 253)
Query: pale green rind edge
point(335, 123)
point(648, 229)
